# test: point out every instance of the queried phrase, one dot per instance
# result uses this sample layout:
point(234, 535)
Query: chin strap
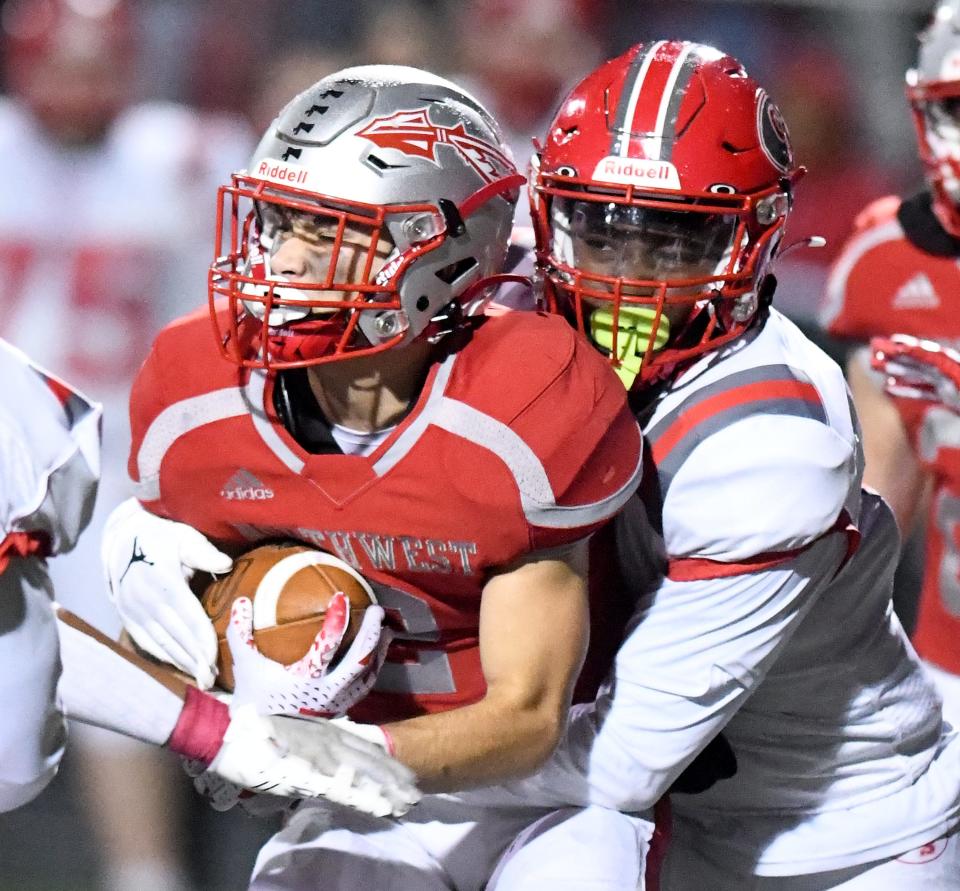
point(502, 186)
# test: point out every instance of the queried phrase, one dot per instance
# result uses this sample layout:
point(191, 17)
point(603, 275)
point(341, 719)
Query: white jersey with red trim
point(49, 463)
point(49, 459)
point(756, 450)
point(100, 246)
point(771, 620)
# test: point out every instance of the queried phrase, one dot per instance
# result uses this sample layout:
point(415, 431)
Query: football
point(290, 585)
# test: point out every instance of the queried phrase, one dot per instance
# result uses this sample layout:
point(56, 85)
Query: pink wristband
point(388, 739)
point(200, 727)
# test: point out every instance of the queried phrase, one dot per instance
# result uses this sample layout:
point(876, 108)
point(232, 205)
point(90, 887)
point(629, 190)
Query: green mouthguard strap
point(634, 329)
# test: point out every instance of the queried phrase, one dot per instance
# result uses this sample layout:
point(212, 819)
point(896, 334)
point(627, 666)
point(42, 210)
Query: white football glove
point(918, 369)
point(222, 795)
point(309, 686)
point(148, 561)
point(313, 758)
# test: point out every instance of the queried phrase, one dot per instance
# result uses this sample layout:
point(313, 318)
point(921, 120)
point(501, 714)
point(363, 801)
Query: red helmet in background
point(659, 200)
point(933, 89)
point(71, 62)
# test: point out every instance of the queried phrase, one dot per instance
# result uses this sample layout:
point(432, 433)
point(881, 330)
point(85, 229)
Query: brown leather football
point(290, 585)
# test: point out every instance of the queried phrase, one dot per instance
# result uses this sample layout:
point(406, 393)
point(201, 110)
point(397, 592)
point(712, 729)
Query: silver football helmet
point(933, 89)
point(403, 180)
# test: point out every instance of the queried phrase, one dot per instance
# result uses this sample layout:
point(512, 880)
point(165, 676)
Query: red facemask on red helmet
point(659, 199)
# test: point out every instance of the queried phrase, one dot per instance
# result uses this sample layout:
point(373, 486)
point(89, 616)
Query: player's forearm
point(488, 742)
point(681, 675)
point(110, 686)
point(514, 728)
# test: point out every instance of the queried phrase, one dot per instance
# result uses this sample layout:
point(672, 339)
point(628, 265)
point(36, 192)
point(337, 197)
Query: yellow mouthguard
point(634, 330)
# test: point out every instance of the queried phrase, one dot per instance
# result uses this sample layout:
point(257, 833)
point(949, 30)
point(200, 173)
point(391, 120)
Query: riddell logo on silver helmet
point(637, 171)
point(280, 172)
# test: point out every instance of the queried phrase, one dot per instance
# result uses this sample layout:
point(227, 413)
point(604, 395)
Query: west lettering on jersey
point(386, 553)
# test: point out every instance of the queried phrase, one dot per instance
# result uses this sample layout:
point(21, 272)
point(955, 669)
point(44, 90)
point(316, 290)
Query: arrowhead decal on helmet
point(413, 133)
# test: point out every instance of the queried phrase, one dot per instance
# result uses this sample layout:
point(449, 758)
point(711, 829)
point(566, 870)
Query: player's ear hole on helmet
point(449, 274)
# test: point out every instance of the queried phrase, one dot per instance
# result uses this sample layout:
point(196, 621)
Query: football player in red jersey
point(355, 397)
point(764, 570)
point(898, 274)
point(49, 466)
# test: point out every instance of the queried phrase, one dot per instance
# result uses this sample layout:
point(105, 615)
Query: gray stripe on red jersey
point(536, 493)
point(175, 421)
point(409, 438)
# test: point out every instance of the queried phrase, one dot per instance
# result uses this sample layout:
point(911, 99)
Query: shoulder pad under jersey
point(758, 454)
point(897, 274)
point(49, 453)
point(848, 308)
point(560, 411)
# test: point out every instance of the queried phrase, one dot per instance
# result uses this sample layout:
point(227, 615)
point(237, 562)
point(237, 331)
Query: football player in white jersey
point(49, 465)
point(764, 571)
point(104, 201)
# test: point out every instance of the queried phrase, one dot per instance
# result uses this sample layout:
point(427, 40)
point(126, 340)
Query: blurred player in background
point(522, 88)
point(104, 202)
point(842, 173)
point(764, 570)
point(900, 272)
point(458, 461)
point(49, 464)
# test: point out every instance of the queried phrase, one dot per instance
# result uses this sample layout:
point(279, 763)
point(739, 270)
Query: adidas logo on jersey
point(917, 293)
point(244, 486)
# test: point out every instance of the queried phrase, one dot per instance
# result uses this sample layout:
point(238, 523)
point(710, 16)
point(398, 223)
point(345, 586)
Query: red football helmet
point(933, 89)
point(71, 62)
point(659, 200)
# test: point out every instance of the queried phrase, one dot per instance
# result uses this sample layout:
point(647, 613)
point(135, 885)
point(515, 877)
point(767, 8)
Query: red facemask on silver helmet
point(933, 89)
point(407, 182)
point(660, 196)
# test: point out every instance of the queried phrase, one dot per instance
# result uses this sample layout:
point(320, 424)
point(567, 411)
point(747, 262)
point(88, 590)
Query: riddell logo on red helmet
point(637, 172)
